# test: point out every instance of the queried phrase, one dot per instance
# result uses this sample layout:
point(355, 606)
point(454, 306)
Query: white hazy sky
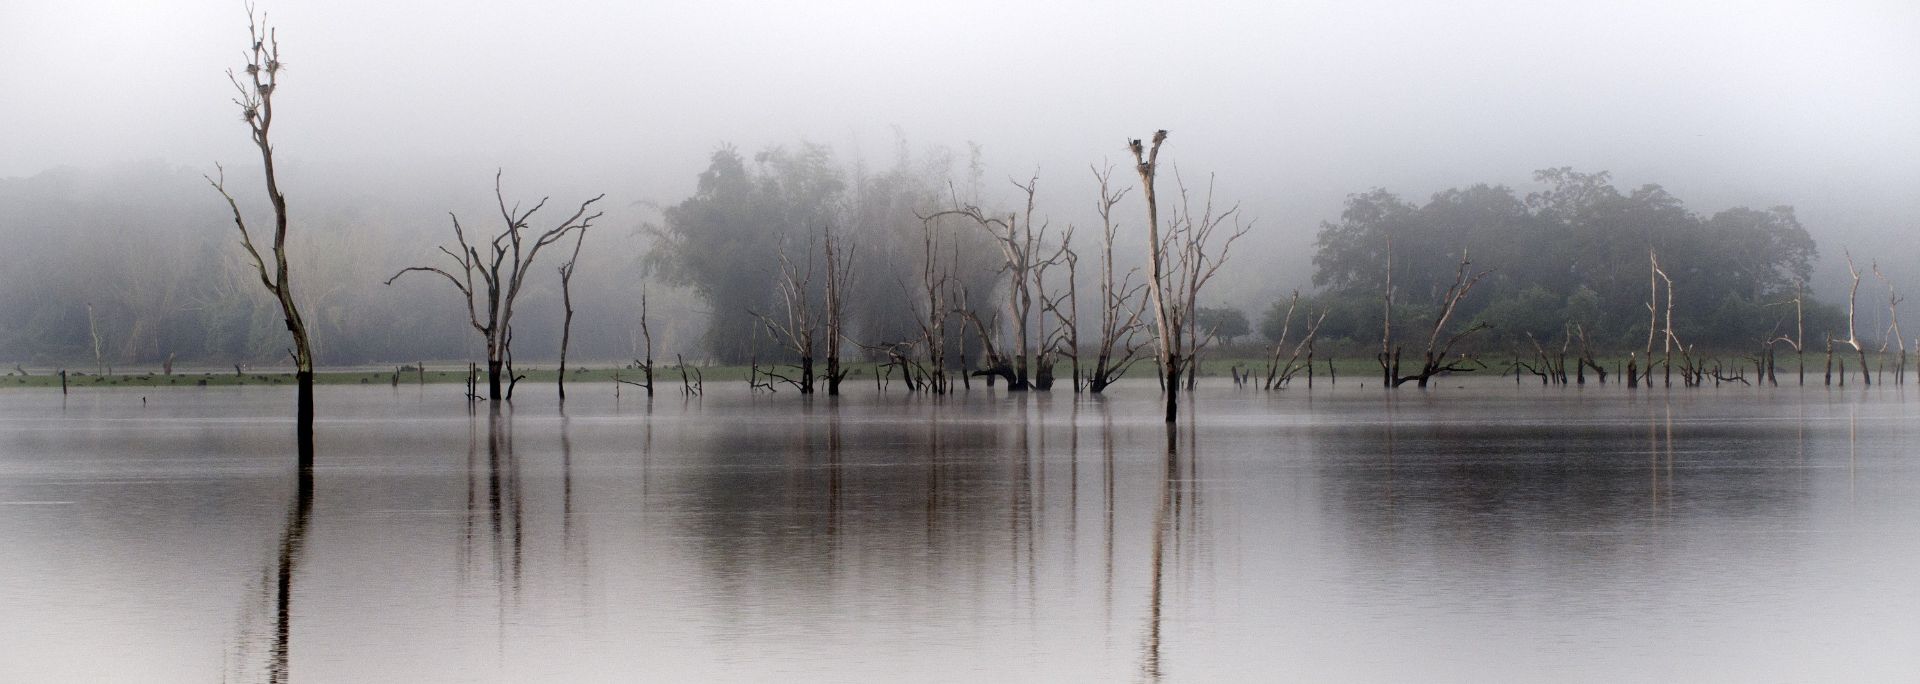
point(1293, 104)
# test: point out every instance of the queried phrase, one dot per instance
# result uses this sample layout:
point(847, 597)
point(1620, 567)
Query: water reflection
point(276, 595)
point(743, 538)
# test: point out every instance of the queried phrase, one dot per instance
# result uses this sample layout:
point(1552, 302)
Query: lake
point(1478, 531)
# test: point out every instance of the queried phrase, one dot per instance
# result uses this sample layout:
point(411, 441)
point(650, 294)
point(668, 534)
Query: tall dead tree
point(502, 269)
point(1120, 304)
point(1439, 357)
point(255, 99)
point(936, 287)
point(1193, 264)
point(1179, 264)
point(566, 301)
point(645, 363)
point(839, 276)
point(1892, 334)
point(1853, 339)
point(1669, 340)
point(1064, 309)
point(796, 327)
point(1389, 356)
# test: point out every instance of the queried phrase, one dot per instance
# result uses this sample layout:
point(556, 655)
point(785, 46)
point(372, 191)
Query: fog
point(406, 110)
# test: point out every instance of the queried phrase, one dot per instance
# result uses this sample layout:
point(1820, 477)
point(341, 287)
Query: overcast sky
point(1293, 104)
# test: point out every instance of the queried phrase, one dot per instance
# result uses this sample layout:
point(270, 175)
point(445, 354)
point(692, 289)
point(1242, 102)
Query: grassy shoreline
point(664, 376)
point(1356, 367)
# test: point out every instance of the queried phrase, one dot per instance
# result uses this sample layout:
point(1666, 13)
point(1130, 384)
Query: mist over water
point(1523, 178)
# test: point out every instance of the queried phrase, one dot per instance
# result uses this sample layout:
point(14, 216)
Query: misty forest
point(1201, 386)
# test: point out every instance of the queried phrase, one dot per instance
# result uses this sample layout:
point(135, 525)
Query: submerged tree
point(502, 269)
point(1179, 264)
point(794, 329)
point(1120, 304)
point(1438, 357)
point(256, 109)
point(1019, 242)
point(566, 302)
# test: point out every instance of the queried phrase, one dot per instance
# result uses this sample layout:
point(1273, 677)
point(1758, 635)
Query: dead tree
point(1586, 357)
point(255, 99)
point(1064, 308)
point(839, 276)
point(646, 364)
point(1892, 333)
point(1280, 344)
point(1120, 304)
point(1019, 242)
point(93, 331)
point(1281, 373)
point(1853, 339)
point(997, 365)
point(1195, 266)
point(1798, 341)
point(566, 301)
point(935, 286)
point(502, 269)
point(795, 328)
point(1179, 264)
point(1669, 340)
point(1389, 356)
point(1653, 311)
point(1439, 354)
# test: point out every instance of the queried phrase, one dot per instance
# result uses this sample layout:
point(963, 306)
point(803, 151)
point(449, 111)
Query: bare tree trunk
point(646, 367)
point(566, 301)
point(1438, 353)
point(1119, 312)
point(839, 271)
point(1168, 345)
point(1853, 338)
point(1193, 262)
point(256, 107)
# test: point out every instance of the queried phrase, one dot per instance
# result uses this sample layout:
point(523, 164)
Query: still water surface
point(1493, 533)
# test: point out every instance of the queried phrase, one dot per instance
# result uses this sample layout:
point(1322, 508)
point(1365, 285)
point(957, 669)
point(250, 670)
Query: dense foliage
point(1575, 253)
point(726, 241)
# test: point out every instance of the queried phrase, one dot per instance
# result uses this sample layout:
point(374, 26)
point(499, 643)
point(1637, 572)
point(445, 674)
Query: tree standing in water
point(1179, 264)
point(256, 109)
point(502, 268)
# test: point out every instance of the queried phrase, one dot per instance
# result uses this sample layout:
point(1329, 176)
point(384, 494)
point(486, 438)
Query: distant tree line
point(1572, 258)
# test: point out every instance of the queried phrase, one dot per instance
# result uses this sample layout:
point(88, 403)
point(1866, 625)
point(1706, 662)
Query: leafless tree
point(1019, 243)
point(1179, 264)
point(997, 365)
point(502, 269)
point(796, 327)
point(1439, 357)
point(1063, 308)
point(1852, 339)
point(1280, 373)
point(255, 99)
point(1892, 334)
point(936, 284)
point(1669, 340)
point(566, 301)
point(1120, 304)
point(1798, 341)
point(1189, 240)
point(839, 276)
point(93, 331)
point(646, 335)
